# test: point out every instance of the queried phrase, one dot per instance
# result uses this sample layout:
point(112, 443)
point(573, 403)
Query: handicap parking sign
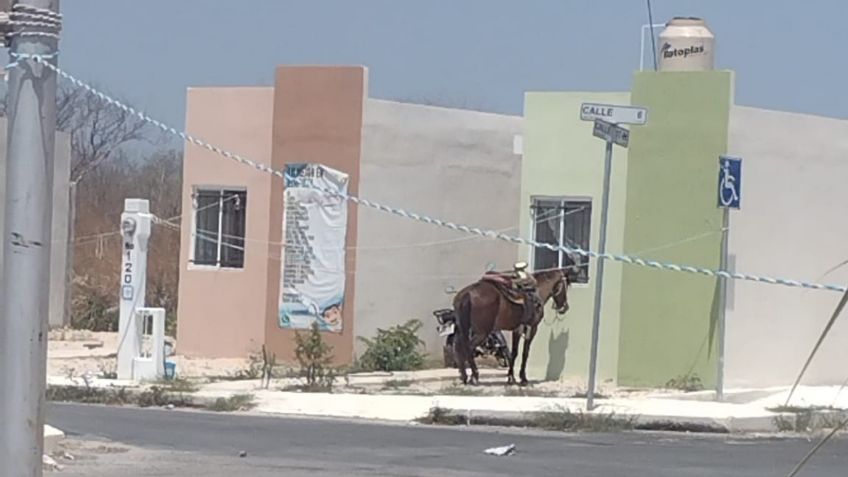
point(729, 182)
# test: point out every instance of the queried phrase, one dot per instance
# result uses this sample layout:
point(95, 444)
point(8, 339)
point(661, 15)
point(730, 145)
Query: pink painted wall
point(318, 114)
point(222, 313)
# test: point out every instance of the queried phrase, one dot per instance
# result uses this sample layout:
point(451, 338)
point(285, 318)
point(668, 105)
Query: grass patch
point(585, 394)
point(176, 385)
point(583, 422)
point(154, 396)
point(565, 421)
point(307, 388)
point(680, 427)
point(460, 390)
point(807, 419)
point(89, 395)
point(398, 383)
point(442, 417)
point(528, 392)
point(238, 402)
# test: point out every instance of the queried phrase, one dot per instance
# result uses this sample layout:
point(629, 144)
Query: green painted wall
point(562, 158)
point(668, 319)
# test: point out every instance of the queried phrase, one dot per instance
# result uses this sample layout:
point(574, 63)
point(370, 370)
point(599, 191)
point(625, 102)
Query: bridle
point(560, 287)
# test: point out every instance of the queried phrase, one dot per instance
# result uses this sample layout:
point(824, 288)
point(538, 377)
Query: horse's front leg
point(525, 353)
point(513, 354)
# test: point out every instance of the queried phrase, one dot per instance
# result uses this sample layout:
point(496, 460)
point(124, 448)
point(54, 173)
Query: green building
point(655, 326)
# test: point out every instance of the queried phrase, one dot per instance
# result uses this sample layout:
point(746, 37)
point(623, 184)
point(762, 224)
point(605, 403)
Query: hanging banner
point(313, 264)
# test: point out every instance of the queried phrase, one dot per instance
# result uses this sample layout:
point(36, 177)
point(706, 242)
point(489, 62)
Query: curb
point(495, 411)
point(52, 438)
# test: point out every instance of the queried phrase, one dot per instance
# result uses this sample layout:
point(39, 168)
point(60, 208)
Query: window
point(219, 227)
point(562, 222)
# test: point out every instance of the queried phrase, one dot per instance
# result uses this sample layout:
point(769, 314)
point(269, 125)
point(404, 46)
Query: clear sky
point(788, 55)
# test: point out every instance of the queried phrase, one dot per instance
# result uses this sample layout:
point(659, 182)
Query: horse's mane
point(549, 274)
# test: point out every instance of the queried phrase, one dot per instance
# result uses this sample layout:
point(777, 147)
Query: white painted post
point(135, 231)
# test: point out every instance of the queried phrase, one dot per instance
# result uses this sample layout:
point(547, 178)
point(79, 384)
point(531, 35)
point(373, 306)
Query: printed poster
point(313, 264)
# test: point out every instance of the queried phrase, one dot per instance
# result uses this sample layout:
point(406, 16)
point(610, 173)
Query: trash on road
point(243, 454)
point(501, 451)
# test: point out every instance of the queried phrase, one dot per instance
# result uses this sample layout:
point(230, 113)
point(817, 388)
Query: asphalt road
point(154, 442)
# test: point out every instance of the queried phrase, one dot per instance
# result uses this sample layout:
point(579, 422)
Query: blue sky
point(484, 53)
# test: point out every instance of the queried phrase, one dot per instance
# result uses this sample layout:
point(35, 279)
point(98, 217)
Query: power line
point(653, 37)
point(427, 219)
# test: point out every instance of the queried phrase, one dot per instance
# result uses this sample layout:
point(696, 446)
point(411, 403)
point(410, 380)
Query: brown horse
point(482, 307)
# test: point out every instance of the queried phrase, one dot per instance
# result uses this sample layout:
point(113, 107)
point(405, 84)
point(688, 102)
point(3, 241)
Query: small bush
point(685, 383)
point(395, 349)
point(92, 308)
point(314, 357)
point(155, 396)
point(109, 370)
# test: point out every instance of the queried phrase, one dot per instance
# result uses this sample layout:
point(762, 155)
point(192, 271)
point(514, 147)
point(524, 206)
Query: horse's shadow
point(557, 347)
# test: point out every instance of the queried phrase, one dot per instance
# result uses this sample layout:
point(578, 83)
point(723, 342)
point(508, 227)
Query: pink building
point(388, 270)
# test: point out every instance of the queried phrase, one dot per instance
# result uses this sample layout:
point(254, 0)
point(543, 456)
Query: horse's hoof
point(524, 382)
point(510, 380)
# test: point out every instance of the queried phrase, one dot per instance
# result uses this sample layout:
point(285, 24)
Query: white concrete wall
point(792, 224)
point(451, 164)
point(59, 247)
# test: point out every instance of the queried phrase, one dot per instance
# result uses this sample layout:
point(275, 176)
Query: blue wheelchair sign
point(729, 182)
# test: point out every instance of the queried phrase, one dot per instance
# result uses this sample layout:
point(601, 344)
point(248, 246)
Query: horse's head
point(554, 284)
point(560, 294)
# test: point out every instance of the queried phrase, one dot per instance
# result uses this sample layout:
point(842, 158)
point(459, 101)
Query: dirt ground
point(77, 352)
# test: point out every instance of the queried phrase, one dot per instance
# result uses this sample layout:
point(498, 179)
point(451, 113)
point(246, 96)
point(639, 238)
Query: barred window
point(562, 222)
point(219, 227)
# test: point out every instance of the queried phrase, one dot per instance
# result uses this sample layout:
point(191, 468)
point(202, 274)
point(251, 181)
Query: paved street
point(111, 441)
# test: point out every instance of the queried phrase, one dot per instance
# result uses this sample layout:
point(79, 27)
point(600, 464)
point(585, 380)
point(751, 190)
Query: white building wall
point(792, 224)
point(452, 164)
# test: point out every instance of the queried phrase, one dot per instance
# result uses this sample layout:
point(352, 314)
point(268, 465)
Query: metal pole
point(722, 302)
point(599, 281)
point(31, 107)
point(69, 253)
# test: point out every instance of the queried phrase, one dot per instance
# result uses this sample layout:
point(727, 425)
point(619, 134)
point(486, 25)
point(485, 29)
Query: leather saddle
point(503, 283)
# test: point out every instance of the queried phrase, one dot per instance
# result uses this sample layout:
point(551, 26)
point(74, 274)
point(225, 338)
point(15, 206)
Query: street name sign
point(614, 114)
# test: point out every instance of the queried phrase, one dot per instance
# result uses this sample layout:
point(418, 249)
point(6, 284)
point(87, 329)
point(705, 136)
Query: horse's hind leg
point(525, 353)
point(475, 375)
point(513, 354)
point(460, 357)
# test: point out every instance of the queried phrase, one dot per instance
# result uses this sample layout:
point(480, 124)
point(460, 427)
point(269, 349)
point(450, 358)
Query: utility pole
point(69, 253)
point(31, 109)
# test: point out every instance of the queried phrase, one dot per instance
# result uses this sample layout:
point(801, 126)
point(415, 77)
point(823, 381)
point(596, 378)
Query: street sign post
point(613, 114)
point(611, 133)
point(606, 118)
point(729, 197)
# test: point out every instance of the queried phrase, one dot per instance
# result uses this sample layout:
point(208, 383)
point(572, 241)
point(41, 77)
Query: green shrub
point(395, 349)
point(687, 383)
point(314, 357)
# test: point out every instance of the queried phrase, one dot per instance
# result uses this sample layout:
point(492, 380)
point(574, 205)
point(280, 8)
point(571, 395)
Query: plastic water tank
point(686, 44)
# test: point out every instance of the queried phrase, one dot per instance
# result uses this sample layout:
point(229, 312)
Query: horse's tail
point(463, 317)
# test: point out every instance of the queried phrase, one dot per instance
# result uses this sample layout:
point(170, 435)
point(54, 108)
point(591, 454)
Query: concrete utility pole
point(31, 108)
